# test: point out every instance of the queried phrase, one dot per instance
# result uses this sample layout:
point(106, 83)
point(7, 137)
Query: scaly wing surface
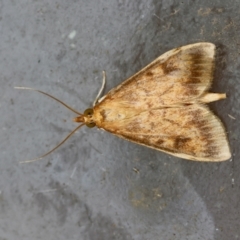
point(181, 75)
point(190, 132)
point(160, 107)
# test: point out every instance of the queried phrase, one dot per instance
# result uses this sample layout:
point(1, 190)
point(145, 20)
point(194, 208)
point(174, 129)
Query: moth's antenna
point(64, 104)
point(101, 89)
point(63, 141)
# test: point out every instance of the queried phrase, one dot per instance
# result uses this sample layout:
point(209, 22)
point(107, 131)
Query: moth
point(163, 107)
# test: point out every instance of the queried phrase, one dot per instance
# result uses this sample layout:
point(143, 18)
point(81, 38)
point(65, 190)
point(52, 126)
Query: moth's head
point(86, 118)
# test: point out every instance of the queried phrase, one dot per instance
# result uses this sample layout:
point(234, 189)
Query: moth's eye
point(91, 124)
point(88, 112)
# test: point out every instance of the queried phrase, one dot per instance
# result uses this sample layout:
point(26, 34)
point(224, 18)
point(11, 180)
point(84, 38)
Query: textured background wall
point(89, 188)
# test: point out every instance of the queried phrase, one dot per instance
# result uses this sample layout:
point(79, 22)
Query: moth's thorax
point(107, 113)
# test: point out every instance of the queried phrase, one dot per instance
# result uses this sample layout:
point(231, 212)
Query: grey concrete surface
point(97, 186)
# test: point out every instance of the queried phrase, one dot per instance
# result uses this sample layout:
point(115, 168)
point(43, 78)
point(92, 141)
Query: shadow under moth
point(163, 106)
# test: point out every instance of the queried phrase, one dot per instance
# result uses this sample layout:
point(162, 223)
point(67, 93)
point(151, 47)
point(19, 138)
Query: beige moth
point(163, 107)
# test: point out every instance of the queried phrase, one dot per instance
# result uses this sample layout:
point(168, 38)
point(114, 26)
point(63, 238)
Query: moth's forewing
point(178, 76)
point(190, 132)
point(160, 106)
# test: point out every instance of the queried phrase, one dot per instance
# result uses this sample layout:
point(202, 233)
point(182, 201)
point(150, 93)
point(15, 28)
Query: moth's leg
point(101, 89)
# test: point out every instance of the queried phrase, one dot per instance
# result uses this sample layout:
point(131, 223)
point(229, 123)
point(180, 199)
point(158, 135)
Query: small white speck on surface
point(72, 34)
point(72, 45)
point(48, 190)
point(231, 117)
point(74, 170)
